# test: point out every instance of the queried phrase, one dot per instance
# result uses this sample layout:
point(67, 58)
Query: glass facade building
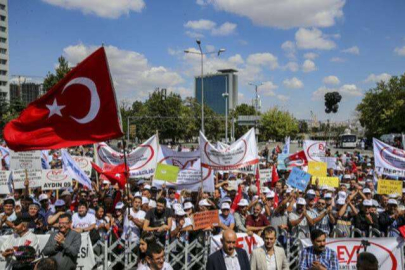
point(4, 65)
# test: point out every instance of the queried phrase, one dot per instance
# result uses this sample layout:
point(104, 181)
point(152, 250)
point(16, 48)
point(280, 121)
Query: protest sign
point(389, 187)
point(84, 164)
point(71, 168)
point(30, 160)
point(243, 240)
point(55, 179)
point(4, 182)
point(141, 161)
point(85, 258)
point(314, 150)
point(281, 162)
point(298, 179)
point(317, 168)
point(167, 173)
point(265, 175)
point(4, 156)
point(202, 220)
point(240, 154)
point(387, 250)
point(388, 160)
point(326, 181)
point(331, 162)
point(34, 177)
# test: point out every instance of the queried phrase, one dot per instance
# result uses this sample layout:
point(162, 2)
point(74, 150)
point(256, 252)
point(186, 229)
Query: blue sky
point(299, 51)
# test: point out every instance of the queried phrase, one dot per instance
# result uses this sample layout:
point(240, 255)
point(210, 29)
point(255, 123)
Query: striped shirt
point(327, 258)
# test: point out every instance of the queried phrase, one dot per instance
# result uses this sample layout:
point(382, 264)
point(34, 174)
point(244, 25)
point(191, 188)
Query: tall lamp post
point(202, 76)
point(256, 106)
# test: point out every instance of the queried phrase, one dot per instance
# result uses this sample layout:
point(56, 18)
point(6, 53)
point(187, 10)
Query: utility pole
point(257, 108)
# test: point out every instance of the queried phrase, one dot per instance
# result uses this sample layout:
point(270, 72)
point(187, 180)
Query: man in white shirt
point(83, 221)
point(8, 216)
point(134, 222)
point(180, 225)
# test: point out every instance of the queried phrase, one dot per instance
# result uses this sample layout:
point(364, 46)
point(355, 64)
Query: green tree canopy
point(242, 109)
point(277, 124)
point(60, 72)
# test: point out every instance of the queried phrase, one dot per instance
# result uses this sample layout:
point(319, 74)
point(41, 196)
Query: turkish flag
point(257, 176)
point(297, 159)
point(274, 176)
point(117, 174)
point(79, 109)
point(237, 199)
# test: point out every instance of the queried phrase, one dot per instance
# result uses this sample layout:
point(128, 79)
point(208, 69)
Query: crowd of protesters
point(147, 216)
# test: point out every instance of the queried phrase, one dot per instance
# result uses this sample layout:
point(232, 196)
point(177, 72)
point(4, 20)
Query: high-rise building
point(27, 92)
point(225, 81)
point(4, 53)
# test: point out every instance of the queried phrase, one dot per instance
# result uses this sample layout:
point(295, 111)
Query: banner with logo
point(85, 258)
point(71, 168)
point(55, 179)
point(189, 176)
point(314, 150)
point(141, 161)
point(4, 182)
point(84, 164)
point(389, 187)
point(387, 251)
point(265, 175)
point(243, 240)
point(45, 159)
point(317, 168)
point(388, 159)
point(298, 179)
point(34, 178)
point(30, 160)
point(240, 154)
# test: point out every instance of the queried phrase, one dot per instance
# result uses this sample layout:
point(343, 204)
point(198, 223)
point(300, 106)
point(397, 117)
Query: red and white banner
point(314, 150)
point(141, 161)
point(189, 176)
point(388, 159)
point(55, 179)
point(248, 243)
point(84, 164)
point(240, 154)
point(387, 250)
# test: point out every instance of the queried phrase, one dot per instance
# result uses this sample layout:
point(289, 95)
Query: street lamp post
point(226, 95)
point(202, 76)
point(256, 106)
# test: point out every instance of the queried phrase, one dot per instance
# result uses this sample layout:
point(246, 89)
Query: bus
point(347, 141)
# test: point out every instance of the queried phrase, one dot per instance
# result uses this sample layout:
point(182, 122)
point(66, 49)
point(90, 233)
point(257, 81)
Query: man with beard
point(324, 216)
point(391, 217)
point(8, 216)
point(241, 215)
point(64, 245)
point(300, 220)
point(21, 237)
point(83, 221)
point(318, 256)
point(257, 222)
point(134, 221)
point(159, 220)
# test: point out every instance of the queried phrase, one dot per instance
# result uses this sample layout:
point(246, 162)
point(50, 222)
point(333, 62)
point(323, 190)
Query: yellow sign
point(326, 181)
point(317, 168)
point(389, 187)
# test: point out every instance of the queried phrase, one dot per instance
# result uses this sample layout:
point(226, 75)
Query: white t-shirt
point(166, 266)
point(83, 222)
point(131, 228)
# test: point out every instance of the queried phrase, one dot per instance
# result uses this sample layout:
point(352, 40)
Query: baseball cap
point(271, 194)
point(225, 206)
point(59, 203)
point(137, 195)
point(366, 190)
point(243, 202)
point(226, 199)
point(266, 190)
point(311, 192)
point(180, 212)
point(105, 181)
point(392, 201)
point(145, 200)
point(328, 196)
point(188, 205)
point(204, 202)
point(289, 190)
point(342, 194)
point(152, 204)
point(368, 164)
point(119, 205)
point(65, 193)
point(9, 200)
point(324, 188)
point(43, 197)
point(368, 203)
point(341, 201)
point(301, 201)
point(148, 187)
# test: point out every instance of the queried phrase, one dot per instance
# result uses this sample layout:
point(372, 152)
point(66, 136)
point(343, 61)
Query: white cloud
point(172, 51)
point(337, 60)
point(263, 59)
point(347, 90)
point(210, 48)
point(200, 25)
point(133, 75)
point(193, 34)
point(182, 91)
point(110, 9)
point(313, 39)
point(293, 83)
point(292, 66)
point(308, 66)
point(289, 48)
point(331, 80)
point(283, 98)
point(284, 14)
point(352, 50)
point(267, 88)
point(236, 59)
point(310, 55)
point(373, 78)
point(225, 29)
point(400, 51)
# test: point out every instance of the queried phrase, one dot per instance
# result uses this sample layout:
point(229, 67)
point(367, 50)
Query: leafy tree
point(60, 72)
point(277, 124)
point(303, 126)
point(242, 109)
point(382, 109)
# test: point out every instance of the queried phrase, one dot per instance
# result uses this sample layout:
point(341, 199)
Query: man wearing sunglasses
point(324, 216)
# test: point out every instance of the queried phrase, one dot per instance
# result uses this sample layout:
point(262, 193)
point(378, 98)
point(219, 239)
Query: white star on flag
point(55, 109)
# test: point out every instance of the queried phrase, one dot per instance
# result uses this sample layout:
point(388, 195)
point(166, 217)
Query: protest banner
point(298, 179)
point(141, 161)
point(55, 179)
point(326, 181)
point(240, 154)
point(281, 162)
point(314, 150)
point(265, 175)
point(4, 182)
point(166, 173)
point(189, 176)
point(388, 160)
point(243, 240)
point(387, 250)
point(30, 160)
point(34, 177)
point(84, 164)
point(85, 258)
point(389, 187)
point(317, 168)
point(202, 220)
point(71, 168)
point(4, 156)
point(331, 162)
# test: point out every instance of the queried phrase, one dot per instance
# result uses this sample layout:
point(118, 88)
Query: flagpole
point(95, 160)
point(126, 188)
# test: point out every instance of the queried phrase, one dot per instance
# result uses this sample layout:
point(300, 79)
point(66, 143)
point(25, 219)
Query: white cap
point(152, 204)
point(226, 199)
point(271, 194)
point(368, 164)
point(243, 202)
point(119, 205)
point(341, 201)
point(180, 212)
point(266, 190)
point(369, 181)
point(393, 196)
point(328, 196)
point(311, 192)
point(204, 202)
point(225, 206)
point(347, 176)
point(43, 197)
point(105, 181)
point(342, 194)
point(138, 194)
point(145, 200)
point(366, 190)
point(403, 190)
point(392, 201)
point(188, 205)
point(368, 203)
point(148, 187)
point(324, 188)
point(289, 190)
point(301, 201)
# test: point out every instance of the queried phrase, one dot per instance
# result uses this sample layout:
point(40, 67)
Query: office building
point(4, 53)
point(27, 92)
point(225, 81)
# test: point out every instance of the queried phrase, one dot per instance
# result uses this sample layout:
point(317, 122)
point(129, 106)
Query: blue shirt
point(227, 221)
point(327, 258)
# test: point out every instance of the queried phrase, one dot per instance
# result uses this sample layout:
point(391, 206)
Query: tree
point(382, 109)
point(303, 126)
point(60, 72)
point(277, 124)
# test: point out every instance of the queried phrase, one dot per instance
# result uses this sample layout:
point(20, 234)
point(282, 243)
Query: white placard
point(55, 179)
point(34, 177)
point(30, 160)
point(314, 150)
point(4, 181)
point(265, 175)
point(84, 164)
